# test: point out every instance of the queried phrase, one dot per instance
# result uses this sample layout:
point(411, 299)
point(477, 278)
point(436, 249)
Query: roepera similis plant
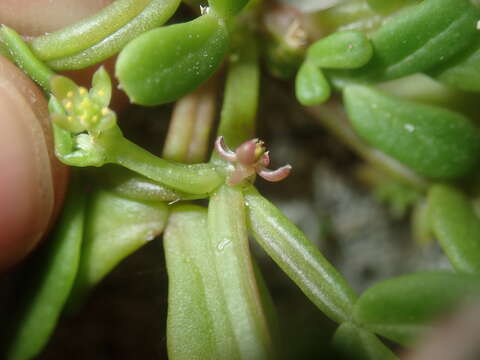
point(385, 80)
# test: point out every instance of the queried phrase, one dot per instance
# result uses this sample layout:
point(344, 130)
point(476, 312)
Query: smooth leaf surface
point(311, 86)
point(456, 227)
point(341, 50)
point(299, 258)
point(53, 285)
point(115, 228)
point(357, 343)
point(166, 63)
point(403, 308)
point(435, 142)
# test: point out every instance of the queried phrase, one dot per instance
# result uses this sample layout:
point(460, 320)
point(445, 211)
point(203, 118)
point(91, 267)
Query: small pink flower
point(249, 158)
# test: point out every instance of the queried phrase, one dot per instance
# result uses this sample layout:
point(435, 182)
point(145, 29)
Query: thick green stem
point(299, 258)
point(86, 33)
point(156, 13)
point(193, 179)
point(24, 58)
point(198, 148)
point(237, 122)
point(190, 125)
point(135, 186)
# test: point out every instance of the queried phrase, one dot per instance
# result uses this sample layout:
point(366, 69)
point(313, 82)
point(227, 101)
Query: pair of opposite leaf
point(444, 30)
point(340, 50)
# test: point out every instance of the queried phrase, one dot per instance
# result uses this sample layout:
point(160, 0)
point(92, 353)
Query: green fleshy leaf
point(435, 142)
point(403, 308)
point(115, 228)
point(420, 38)
point(341, 50)
point(164, 64)
point(463, 72)
point(311, 86)
point(197, 312)
point(456, 227)
point(228, 236)
point(299, 258)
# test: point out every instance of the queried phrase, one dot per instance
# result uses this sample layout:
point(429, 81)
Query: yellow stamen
point(101, 92)
point(82, 91)
point(70, 94)
point(105, 111)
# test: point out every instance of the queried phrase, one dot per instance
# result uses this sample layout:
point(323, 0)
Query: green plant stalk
point(239, 110)
point(190, 125)
point(181, 127)
point(134, 186)
point(23, 57)
point(87, 32)
point(299, 258)
point(228, 236)
point(206, 111)
point(156, 13)
point(54, 285)
point(193, 179)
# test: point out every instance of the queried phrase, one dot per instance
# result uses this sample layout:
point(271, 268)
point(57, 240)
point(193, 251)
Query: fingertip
point(32, 181)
